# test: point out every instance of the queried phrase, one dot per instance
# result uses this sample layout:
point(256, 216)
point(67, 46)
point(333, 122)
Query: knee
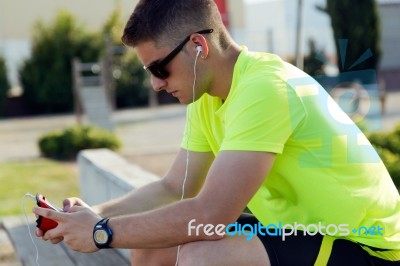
point(143, 257)
point(192, 254)
point(153, 257)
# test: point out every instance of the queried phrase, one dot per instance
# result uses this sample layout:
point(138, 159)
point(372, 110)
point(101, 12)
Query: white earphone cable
point(189, 123)
point(28, 195)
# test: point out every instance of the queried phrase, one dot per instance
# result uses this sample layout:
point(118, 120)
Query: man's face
point(179, 82)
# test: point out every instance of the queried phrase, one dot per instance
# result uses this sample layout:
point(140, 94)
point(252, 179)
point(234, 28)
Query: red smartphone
point(44, 223)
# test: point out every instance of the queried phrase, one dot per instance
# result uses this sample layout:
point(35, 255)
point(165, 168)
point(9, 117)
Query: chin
point(187, 101)
point(184, 101)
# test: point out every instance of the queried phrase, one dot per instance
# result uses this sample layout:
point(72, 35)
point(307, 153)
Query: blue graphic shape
point(367, 54)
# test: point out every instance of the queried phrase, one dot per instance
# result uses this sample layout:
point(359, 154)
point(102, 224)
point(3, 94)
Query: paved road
point(156, 130)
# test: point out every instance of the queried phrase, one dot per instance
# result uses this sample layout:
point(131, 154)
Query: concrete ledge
point(49, 254)
point(104, 175)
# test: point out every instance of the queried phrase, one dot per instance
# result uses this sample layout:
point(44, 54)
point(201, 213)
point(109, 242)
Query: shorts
point(304, 250)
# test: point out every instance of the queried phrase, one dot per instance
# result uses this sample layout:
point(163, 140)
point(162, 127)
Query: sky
point(279, 19)
point(256, 1)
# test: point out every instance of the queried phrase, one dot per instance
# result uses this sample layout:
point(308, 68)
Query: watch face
point(100, 236)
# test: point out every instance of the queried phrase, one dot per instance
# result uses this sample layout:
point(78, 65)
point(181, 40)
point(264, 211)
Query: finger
point(56, 240)
point(69, 202)
point(48, 213)
point(39, 232)
point(53, 234)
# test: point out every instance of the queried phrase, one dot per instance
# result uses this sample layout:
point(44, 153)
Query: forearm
point(232, 181)
point(148, 197)
point(164, 191)
point(161, 228)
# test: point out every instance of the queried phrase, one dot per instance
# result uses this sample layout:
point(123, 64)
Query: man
point(260, 133)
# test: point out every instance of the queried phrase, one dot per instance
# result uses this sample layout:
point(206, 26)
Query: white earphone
point(189, 116)
point(199, 49)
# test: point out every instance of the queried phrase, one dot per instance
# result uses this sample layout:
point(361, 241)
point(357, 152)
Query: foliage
point(47, 76)
point(4, 84)
point(388, 147)
point(114, 26)
point(360, 26)
point(131, 82)
point(312, 62)
point(67, 143)
point(132, 86)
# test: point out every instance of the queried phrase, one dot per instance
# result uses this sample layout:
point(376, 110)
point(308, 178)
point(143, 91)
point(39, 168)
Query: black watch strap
point(102, 234)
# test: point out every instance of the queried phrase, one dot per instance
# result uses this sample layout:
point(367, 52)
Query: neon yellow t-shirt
point(326, 172)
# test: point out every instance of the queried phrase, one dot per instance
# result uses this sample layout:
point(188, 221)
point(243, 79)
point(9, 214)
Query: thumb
point(48, 213)
point(67, 203)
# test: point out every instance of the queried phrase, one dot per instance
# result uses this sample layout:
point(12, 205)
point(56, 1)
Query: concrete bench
point(103, 175)
point(49, 254)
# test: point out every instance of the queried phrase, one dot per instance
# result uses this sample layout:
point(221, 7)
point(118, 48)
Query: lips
point(173, 92)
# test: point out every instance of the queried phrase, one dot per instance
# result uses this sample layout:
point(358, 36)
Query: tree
point(314, 62)
point(357, 22)
point(4, 84)
point(131, 81)
point(46, 77)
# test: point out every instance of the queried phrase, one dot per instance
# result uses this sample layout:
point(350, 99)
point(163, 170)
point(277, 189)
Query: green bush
point(67, 143)
point(388, 147)
point(392, 163)
point(132, 87)
point(131, 81)
point(46, 76)
point(389, 141)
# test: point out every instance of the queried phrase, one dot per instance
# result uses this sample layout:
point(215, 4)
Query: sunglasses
point(158, 70)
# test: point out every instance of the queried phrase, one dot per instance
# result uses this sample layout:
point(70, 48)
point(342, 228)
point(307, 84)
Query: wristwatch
point(102, 234)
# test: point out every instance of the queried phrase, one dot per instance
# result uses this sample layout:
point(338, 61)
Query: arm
point(164, 191)
point(231, 182)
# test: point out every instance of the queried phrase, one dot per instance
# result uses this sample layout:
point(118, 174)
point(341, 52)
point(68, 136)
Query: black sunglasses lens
point(158, 71)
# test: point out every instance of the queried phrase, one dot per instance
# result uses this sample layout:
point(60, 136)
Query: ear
point(198, 42)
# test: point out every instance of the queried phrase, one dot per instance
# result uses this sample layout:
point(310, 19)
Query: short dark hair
point(166, 22)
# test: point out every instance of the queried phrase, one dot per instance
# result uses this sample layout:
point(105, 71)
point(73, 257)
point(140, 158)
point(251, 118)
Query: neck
point(222, 67)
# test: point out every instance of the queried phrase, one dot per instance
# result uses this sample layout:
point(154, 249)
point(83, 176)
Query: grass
point(53, 179)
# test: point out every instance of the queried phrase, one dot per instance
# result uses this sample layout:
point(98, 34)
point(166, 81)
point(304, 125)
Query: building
point(264, 25)
point(17, 19)
point(270, 25)
point(389, 11)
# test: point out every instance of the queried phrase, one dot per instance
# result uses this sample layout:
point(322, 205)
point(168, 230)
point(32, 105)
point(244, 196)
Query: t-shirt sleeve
point(262, 116)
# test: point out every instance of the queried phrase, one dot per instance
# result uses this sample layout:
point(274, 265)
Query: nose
point(157, 84)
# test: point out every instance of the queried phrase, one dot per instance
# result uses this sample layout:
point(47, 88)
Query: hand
point(67, 204)
point(74, 227)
